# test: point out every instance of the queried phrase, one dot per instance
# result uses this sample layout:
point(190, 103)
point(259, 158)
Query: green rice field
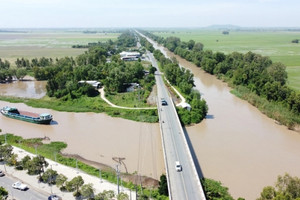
point(275, 44)
point(55, 44)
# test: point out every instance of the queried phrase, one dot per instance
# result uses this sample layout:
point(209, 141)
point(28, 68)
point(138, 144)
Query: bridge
point(184, 184)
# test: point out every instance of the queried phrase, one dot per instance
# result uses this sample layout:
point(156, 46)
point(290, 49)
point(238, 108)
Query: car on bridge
point(1, 173)
point(164, 102)
point(178, 166)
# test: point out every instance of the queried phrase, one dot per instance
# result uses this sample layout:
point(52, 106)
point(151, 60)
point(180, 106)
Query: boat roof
point(45, 114)
point(7, 108)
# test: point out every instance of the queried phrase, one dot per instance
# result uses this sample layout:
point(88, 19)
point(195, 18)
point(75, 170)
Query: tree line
point(256, 73)
point(184, 80)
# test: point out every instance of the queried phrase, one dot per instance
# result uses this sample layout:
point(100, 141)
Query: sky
point(148, 13)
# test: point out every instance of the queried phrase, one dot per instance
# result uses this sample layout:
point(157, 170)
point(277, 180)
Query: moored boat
point(14, 113)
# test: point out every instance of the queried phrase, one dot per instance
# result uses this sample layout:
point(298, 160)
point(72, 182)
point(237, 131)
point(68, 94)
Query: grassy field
point(275, 44)
point(48, 44)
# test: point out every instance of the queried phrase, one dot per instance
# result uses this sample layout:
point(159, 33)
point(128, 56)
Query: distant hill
point(223, 27)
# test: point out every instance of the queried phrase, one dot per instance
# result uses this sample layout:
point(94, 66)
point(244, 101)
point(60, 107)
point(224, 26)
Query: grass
point(274, 110)
point(275, 44)
point(294, 77)
point(86, 104)
point(129, 99)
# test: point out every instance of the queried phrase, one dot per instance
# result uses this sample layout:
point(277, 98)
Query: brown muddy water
point(28, 89)
point(237, 144)
point(97, 137)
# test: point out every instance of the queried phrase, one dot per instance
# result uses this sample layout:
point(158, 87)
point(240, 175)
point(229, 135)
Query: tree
point(75, 184)
point(277, 71)
point(87, 191)
point(163, 185)
point(25, 162)
point(3, 193)
point(49, 176)
point(268, 193)
point(214, 190)
point(21, 73)
point(191, 44)
point(37, 165)
point(105, 195)
point(123, 196)
point(60, 181)
point(6, 152)
point(286, 187)
point(198, 46)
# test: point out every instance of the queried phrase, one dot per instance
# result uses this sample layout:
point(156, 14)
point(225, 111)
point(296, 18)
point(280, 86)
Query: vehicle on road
point(20, 186)
point(2, 173)
point(178, 166)
point(164, 102)
point(54, 197)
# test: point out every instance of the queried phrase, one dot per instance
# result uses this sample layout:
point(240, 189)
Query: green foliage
point(37, 165)
point(49, 176)
point(126, 39)
point(122, 196)
point(3, 192)
point(6, 152)
point(87, 191)
point(60, 181)
point(253, 71)
point(105, 195)
point(21, 73)
point(75, 184)
point(214, 190)
point(163, 185)
point(287, 187)
point(6, 74)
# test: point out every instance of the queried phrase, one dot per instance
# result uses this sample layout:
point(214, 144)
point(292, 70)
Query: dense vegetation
point(101, 63)
point(214, 190)
point(286, 187)
point(258, 74)
point(183, 79)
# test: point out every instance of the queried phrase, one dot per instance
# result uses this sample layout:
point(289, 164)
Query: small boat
point(14, 113)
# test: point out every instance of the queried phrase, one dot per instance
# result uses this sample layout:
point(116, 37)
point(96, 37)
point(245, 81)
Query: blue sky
point(150, 13)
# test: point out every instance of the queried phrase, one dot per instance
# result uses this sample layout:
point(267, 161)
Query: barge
point(14, 113)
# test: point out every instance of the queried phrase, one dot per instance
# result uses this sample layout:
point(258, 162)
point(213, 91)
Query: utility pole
point(118, 176)
point(100, 175)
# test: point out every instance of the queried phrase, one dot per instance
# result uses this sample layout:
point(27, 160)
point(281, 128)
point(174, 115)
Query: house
point(95, 84)
point(132, 87)
point(186, 106)
point(130, 56)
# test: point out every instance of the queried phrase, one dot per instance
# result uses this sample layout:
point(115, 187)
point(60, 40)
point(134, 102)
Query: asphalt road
point(29, 194)
point(184, 184)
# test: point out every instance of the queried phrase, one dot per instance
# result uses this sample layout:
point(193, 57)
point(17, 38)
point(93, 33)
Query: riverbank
point(100, 138)
point(99, 184)
point(237, 144)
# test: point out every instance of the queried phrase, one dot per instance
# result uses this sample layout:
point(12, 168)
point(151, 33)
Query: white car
point(178, 166)
point(20, 186)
